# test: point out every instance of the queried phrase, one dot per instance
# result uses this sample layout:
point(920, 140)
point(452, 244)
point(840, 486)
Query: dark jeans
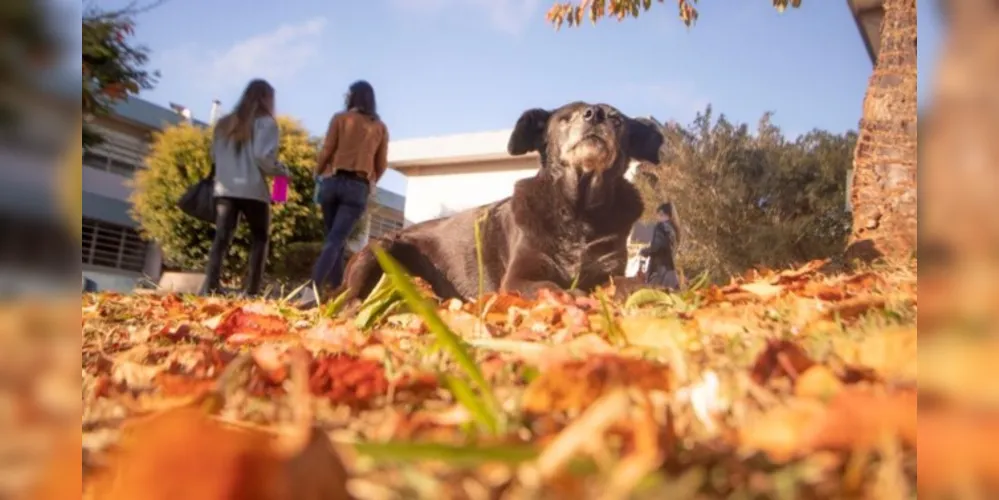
point(343, 199)
point(258, 216)
point(662, 275)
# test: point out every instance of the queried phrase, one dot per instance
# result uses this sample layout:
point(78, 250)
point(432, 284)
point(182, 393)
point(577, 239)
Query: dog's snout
point(593, 114)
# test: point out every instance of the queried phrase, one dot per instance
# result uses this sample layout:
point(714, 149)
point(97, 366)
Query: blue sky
point(455, 66)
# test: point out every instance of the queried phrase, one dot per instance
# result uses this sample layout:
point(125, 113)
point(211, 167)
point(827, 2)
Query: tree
point(884, 180)
point(179, 157)
point(748, 199)
point(113, 68)
point(572, 13)
point(883, 193)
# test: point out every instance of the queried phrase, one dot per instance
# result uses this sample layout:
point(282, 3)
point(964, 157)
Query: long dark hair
point(254, 103)
point(669, 209)
point(361, 97)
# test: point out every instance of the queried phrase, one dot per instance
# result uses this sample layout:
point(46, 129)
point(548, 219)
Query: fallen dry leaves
point(680, 394)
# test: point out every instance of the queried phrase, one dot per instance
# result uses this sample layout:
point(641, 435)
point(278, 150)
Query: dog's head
point(590, 138)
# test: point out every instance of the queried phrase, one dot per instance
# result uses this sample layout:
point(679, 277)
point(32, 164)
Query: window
point(384, 221)
point(120, 153)
point(102, 162)
point(110, 245)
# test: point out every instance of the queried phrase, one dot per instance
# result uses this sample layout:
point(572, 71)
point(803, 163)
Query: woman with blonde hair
point(244, 149)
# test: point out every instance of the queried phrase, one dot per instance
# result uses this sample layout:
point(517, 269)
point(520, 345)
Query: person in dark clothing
point(244, 149)
point(353, 158)
point(661, 251)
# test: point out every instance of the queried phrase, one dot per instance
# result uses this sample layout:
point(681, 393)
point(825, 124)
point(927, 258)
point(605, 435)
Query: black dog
point(569, 224)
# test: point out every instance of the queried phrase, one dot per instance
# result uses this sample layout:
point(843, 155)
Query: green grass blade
point(469, 455)
point(369, 316)
point(464, 395)
point(423, 308)
point(333, 308)
point(699, 282)
point(612, 327)
point(647, 296)
point(294, 293)
point(381, 290)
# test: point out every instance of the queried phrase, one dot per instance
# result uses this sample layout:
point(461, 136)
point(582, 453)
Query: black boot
point(255, 269)
point(213, 273)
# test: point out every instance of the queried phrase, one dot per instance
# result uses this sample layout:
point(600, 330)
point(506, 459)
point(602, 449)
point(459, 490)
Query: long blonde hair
point(254, 103)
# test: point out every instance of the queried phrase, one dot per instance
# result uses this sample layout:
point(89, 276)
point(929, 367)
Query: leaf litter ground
point(791, 384)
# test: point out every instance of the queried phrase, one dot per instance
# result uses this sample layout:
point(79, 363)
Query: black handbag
point(199, 200)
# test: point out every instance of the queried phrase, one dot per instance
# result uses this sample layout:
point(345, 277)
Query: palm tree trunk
point(883, 194)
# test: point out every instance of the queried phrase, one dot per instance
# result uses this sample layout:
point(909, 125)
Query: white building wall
point(431, 196)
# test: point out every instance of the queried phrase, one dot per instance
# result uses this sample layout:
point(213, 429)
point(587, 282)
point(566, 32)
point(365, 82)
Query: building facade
point(113, 253)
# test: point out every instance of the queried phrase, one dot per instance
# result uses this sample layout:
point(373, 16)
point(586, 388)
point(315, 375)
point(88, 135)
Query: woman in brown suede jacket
point(353, 158)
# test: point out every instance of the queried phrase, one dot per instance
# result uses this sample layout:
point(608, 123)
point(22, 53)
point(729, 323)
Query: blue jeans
point(343, 200)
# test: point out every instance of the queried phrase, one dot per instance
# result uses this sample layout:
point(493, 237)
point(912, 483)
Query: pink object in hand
point(279, 192)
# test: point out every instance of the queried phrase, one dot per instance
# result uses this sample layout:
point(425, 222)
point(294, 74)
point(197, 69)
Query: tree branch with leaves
point(573, 13)
point(113, 66)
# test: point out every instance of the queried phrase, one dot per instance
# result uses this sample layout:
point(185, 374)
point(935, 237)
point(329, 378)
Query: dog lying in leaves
point(568, 225)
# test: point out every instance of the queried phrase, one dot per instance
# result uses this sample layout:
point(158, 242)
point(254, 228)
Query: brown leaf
point(174, 385)
point(762, 289)
point(891, 353)
point(852, 308)
point(818, 382)
point(272, 362)
point(780, 358)
point(857, 419)
point(230, 463)
point(466, 325)
point(822, 291)
point(780, 432)
point(250, 325)
point(653, 332)
point(575, 385)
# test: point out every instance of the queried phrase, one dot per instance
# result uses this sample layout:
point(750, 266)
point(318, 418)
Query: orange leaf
point(857, 419)
point(250, 324)
point(577, 384)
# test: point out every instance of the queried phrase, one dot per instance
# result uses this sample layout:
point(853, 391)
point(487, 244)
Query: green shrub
point(179, 157)
point(296, 266)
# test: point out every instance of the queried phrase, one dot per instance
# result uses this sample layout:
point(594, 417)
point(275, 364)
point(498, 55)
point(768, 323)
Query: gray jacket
point(242, 174)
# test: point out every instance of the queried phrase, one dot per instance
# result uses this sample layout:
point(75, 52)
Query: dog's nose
point(593, 114)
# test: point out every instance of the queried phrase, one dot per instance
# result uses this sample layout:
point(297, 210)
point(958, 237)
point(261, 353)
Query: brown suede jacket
point(354, 142)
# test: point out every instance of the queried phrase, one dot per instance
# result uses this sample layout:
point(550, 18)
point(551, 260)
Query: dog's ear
point(645, 140)
point(529, 133)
